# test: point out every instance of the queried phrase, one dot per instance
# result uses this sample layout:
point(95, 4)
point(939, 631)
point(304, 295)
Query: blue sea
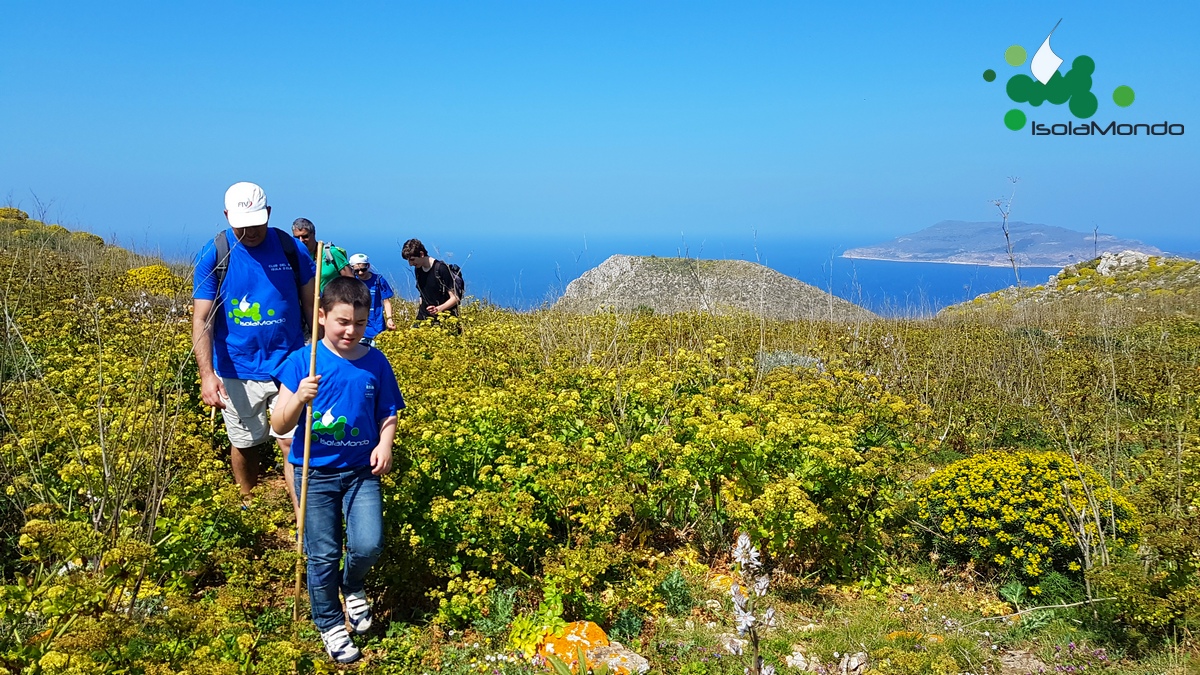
point(526, 273)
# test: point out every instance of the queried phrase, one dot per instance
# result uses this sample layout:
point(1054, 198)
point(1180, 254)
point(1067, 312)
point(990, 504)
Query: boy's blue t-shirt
point(380, 290)
point(258, 319)
point(353, 400)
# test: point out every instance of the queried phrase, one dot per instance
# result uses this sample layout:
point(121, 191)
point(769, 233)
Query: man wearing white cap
point(252, 293)
point(380, 318)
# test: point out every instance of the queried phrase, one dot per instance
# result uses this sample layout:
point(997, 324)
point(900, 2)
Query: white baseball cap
point(360, 259)
point(246, 204)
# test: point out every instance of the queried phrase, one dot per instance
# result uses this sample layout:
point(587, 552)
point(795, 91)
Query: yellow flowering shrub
point(516, 466)
point(1024, 513)
point(117, 505)
point(153, 279)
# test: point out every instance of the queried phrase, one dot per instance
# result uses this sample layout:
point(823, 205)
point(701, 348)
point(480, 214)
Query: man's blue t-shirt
point(353, 400)
point(258, 319)
point(380, 290)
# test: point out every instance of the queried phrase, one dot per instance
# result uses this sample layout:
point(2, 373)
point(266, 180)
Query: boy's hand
point(307, 390)
point(381, 460)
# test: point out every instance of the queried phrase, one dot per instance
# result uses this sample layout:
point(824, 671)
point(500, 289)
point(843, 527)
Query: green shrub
point(676, 593)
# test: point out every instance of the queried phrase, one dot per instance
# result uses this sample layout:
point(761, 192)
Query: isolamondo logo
point(1073, 89)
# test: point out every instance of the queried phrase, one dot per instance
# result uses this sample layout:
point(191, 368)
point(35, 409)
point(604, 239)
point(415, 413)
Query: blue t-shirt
point(353, 400)
point(380, 290)
point(258, 319)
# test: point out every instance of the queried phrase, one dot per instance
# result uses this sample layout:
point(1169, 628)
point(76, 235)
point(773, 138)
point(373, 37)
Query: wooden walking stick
point(308, 420)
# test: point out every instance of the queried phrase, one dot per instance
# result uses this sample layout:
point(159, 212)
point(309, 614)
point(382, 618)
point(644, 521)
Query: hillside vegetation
point(918, 489)
point(1111, 279)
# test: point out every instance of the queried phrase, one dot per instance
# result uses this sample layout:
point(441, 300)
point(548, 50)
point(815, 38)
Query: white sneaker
point(339, 646)
point(358, 611)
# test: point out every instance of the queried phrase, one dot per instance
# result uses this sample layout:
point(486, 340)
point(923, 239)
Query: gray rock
point(618, 658)
point(802, 661)
point(732, 643)
point(1110, 263)
point(768, 361)
point(853, 664)
point(1020, 662)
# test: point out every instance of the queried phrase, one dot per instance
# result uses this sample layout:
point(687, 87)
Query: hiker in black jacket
point(435, 282)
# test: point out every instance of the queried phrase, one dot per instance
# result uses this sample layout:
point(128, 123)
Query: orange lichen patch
point(913, 635)
point(576, 635)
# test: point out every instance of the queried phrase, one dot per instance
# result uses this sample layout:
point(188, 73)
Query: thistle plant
point(746, 611)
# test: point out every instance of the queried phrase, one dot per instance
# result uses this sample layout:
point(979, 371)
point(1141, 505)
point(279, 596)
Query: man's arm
point(387, 312)
point(212, 391)
point(306, 301)
point(449, 282)
point(446, 278)
point(342, 262)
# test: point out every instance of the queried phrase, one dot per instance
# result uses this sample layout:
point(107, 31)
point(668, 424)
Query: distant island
point(963, 243)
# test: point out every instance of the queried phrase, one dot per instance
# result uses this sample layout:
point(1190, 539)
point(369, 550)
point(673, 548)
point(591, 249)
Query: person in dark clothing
point(435, 282)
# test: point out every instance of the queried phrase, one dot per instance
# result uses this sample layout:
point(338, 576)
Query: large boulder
point(670, 285)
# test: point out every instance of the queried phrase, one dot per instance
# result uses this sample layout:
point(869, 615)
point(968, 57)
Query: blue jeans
point(334, 495)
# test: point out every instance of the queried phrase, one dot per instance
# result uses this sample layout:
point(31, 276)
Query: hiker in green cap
point(335, 263)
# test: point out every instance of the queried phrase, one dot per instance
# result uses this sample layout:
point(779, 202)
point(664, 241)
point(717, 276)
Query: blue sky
point(463, 122)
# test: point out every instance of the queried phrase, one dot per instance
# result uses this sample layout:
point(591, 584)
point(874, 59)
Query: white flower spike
point(761, 584)
point(744, 553)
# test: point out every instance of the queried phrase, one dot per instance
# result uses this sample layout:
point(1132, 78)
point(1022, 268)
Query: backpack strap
point(288, 243)
point(221, 242)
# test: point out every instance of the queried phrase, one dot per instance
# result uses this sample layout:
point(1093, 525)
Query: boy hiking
point(353, 402)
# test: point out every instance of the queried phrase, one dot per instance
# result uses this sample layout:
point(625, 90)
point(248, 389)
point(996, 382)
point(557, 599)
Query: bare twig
point(1004, 206)
point(1036, 609)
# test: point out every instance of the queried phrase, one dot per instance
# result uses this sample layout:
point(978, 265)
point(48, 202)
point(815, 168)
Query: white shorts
point(247, 411)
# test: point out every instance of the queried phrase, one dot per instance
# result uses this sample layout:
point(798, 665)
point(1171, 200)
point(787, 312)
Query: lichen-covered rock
point(575, 636)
